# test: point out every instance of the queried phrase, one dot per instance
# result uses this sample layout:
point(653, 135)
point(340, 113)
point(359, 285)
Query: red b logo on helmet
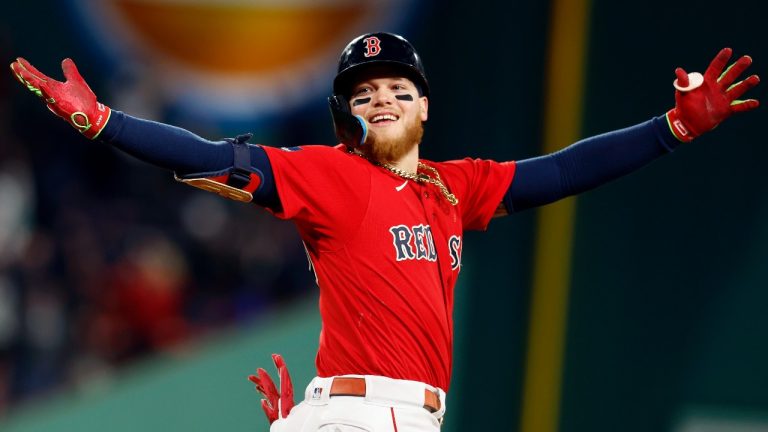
point(372, 46)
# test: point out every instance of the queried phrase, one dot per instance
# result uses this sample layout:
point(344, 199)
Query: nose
point(382, 97)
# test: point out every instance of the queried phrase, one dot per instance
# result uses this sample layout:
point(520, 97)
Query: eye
point(361, 91)
point(399, 87)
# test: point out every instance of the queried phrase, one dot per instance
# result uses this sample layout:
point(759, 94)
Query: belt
point(350, 386)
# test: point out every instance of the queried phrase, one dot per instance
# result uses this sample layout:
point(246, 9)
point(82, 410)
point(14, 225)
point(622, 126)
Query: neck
point(409, 162)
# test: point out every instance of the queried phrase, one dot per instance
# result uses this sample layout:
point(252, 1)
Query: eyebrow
point(398, 80)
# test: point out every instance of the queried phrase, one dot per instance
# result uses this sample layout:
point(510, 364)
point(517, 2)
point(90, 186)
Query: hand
point(702, 102)
point(276, 405)
point(71, 100)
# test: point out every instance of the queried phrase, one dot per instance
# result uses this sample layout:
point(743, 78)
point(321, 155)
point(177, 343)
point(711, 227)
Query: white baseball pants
point(389, 405)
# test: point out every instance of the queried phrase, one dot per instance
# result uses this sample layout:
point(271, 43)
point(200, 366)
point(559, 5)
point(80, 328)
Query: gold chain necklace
point(423, 178)
point(418, 177)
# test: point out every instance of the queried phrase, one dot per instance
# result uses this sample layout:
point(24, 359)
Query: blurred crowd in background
point(105, 260)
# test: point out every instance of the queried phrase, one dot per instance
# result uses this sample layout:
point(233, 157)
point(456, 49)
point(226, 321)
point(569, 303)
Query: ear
point(424, 104)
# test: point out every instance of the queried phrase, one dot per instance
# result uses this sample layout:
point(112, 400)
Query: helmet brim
point(342, 84)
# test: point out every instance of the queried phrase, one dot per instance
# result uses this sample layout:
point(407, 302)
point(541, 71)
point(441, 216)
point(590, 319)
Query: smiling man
point(382, 226)
point(385, 101)
point(395, 121)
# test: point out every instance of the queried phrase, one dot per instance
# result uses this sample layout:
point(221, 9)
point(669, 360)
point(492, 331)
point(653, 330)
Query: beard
point(381, 148)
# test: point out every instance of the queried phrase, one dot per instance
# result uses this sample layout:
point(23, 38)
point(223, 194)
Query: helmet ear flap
point(351, 130)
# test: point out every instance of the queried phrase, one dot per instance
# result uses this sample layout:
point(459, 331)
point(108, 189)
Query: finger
point(268, 408)
point(745, 105)
point(70, 70)
point(259, 385)
point(264, 385)
point(270, 411)
point(735, 91)
point(285, 378)
point(278, 360)
point(682, 77)
point(33, 70)
point(254, 379)
point(734, 70)
point(718, 64)
point(286, 392)
point(267, 384)
point(15, 66)
point(261, 390)
point(36, 81)
point(28, 79)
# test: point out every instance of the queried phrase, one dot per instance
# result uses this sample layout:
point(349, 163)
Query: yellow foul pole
point(554, 237)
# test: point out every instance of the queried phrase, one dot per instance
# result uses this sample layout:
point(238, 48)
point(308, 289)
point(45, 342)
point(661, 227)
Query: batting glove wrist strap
point(350, 130)
point(72, 100)
point(238, 182)
point(703, 101)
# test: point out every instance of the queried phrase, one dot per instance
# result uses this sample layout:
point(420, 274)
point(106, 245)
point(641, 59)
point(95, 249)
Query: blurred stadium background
point(131, 302)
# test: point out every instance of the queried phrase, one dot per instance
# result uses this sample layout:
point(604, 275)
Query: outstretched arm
point(587, 164)
point(224, 167)
point(194, 158)
point(702, 102)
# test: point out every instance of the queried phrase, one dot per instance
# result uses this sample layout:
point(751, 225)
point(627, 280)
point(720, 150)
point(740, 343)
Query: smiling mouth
point(383, 119)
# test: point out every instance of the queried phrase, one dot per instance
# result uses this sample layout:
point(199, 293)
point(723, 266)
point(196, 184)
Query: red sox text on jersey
point(416, 242)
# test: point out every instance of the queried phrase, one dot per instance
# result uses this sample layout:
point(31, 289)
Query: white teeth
point(383, 117)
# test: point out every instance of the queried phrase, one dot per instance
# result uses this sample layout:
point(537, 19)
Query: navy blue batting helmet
point(379, 49)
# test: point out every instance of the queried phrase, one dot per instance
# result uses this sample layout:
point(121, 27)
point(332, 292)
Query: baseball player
point(383, 227)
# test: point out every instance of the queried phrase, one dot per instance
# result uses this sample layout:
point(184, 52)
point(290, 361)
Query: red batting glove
point(702, 102)
point(275, 405)
point(71, 100)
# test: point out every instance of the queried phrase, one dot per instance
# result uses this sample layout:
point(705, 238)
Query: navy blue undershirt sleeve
point(587, 164)
point(183, 152)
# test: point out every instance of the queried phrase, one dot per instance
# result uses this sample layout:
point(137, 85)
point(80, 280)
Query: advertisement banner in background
point(233, 59)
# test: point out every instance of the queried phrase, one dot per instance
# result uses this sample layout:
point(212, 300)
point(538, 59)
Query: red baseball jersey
point(386, 252)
